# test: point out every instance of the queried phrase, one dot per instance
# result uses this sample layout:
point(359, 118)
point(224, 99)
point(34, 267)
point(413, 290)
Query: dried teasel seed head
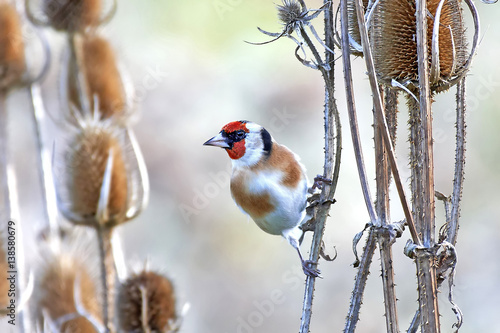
point(395, 47)
point(289, 12)
point(72, 15)
point(102, 79)
point(146, 300)
point(55, 293)
point(12, 61)
point(94, 154)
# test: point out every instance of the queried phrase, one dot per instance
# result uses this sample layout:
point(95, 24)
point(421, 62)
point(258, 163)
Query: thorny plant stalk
point(452, 224)
point(296, 17)
point(385, 239)
point(382, 207)
point(369, 249)
point(333, 146)
point(423, 200)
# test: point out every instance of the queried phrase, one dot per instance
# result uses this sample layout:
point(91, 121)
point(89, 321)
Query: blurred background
point(193, 73)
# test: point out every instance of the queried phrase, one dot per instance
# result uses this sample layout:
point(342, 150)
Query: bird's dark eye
point(240, 134)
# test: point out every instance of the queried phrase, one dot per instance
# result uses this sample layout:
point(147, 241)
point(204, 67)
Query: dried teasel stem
point(452, 228)
point(108, 276)
point(384, 239)
point(369, 249)
point(426, 271)
point(333, 147)
point(147, 303)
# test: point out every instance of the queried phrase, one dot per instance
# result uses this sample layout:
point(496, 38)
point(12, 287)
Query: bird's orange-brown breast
point(281, 158)
point(256, 205)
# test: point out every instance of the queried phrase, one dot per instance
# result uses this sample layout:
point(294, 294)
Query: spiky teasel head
point(94, 58)
point(97, 176)
point(12, 61)
point(72, 15)
point(56, 294)
point(395, 47)
point(147, 300)
point(289, 12)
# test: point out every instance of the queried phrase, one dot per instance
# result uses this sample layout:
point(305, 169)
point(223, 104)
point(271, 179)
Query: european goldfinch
point(268, 182)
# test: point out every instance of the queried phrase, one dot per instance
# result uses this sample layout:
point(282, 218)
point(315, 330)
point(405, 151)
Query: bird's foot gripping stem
point(319, 181)
point(309, 269)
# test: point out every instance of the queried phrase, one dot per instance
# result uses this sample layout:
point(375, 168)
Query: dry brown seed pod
point(395, 48)
point(102, 80)
point(92, 152)
point(147, 300)
point(72, 15)
point(12, 61)
point(55, 292)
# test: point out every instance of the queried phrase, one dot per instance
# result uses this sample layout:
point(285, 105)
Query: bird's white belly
point(289, 205)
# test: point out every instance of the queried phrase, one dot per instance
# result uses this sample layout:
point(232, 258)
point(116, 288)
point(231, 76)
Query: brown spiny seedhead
point(55, 293)
point(158, 308)
point(12, 62)
point(102, 79)
point(395, 47)
point(72, 15)
point(87, 160)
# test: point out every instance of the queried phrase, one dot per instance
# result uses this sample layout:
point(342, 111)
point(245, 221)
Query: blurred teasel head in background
point(91, 76)
point(96, 179)
point(70, 15)
point(147, 303)
point(12, 59)
point(56, 301)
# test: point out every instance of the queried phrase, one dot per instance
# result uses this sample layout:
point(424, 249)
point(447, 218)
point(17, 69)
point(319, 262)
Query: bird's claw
point(309, 269)
point(319, 181)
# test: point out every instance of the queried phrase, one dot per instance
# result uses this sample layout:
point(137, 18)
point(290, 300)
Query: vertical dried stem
point(108, 276)
point(333, 146)
point(369, 249)
point(459, 163)
point(377, 104)
point(426, 272)
point(360, 282)
point(384, 239)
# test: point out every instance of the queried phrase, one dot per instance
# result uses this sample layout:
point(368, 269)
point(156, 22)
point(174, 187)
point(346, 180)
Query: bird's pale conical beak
point(217, 141)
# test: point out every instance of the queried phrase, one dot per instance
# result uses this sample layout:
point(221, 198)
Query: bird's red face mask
point(232, 138)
